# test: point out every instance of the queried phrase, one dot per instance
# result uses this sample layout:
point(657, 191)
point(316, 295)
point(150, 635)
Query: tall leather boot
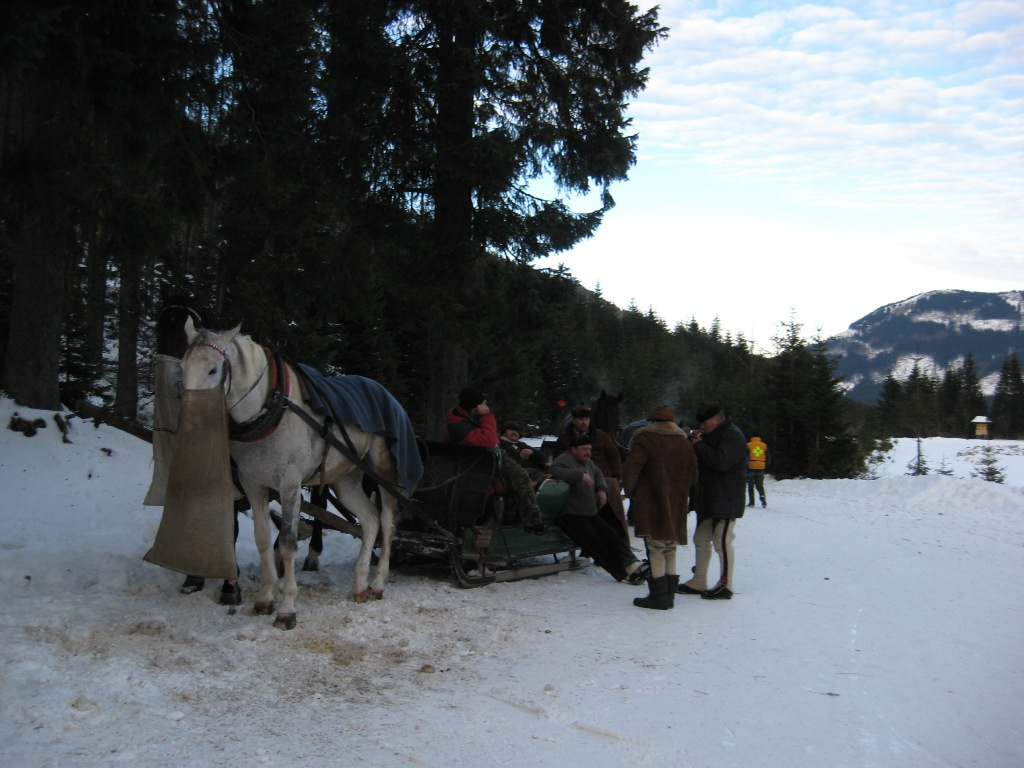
point(671, 584)
point(658, 597)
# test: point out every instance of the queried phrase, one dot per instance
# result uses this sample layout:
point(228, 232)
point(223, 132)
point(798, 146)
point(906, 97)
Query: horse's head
point(606, 413)
point(207, 363)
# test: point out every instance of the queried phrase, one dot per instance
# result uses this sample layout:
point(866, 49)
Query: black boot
point(657, 599)
point(671, 584)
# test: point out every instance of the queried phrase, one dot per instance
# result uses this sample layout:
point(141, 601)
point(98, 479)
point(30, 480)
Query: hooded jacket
point(461, 428)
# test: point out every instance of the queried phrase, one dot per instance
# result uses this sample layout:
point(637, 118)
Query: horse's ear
point(190, 329)
point(228, 336)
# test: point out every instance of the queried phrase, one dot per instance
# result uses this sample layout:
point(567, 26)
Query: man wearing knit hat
point(658, 473)
point(721, 452)
point(472, 423)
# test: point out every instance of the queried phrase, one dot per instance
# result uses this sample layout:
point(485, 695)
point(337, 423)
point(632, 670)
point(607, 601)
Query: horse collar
point(266, 421)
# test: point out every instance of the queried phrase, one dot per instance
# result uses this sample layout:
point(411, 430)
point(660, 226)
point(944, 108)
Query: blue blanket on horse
point(362, 401)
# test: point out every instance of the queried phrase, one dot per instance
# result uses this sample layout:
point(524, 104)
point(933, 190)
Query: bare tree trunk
point(447, 375)
point(126, 398)
point(32, 359)
point(454, 249)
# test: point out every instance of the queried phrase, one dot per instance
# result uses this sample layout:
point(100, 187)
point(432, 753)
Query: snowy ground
point(876, 623)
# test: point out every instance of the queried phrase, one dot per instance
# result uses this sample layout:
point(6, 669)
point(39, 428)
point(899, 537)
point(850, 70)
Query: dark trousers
point(600, 540)
point(755, 479)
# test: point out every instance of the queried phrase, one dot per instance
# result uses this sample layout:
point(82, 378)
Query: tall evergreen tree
point(1008, 403)
point(974, 398)
point(954, 417)
point(810, 436)
point(919, 415)
point(515, 97)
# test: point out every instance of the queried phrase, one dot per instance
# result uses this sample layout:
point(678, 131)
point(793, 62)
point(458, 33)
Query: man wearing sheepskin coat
point(658, 474)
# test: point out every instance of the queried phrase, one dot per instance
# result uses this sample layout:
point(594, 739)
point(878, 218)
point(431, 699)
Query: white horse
point(290, 456)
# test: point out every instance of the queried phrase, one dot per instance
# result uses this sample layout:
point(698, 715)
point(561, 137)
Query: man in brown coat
point(657, 475)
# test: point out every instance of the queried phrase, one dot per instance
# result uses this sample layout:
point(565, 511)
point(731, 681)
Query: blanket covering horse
point(358, 400)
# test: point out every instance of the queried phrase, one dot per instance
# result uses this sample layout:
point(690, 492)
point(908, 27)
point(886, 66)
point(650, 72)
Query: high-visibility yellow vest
point(758, 454)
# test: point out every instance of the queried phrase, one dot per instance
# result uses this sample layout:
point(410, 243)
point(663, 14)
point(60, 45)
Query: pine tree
point(811, 436)
point(918, 465)
point(974, 399)
point(988, 467)
point(952, 404)
point(1008, 403)
point(920, 410)
point(890, 405)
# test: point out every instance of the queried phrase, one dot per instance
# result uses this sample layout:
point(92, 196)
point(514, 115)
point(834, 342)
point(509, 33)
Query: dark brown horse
point(605, 416)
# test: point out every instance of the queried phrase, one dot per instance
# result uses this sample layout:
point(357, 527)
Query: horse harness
point(269, 417)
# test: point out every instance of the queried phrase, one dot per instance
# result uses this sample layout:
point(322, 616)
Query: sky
point(876, 623)
point(874, 143)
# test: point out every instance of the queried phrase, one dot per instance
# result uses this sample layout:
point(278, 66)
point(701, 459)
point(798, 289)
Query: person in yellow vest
point(757, 462)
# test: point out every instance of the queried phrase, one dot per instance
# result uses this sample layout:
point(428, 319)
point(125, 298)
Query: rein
point(273, 411)
point(269, 417)
point(348, 450)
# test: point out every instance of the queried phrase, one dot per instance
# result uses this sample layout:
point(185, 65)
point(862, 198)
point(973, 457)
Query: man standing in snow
point(757, 463)
point(658, 473)
point(721, 452)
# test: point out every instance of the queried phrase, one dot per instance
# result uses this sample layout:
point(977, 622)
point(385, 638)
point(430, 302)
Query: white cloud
point(891, 134)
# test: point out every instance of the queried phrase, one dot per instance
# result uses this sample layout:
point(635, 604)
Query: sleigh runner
point(482, 536)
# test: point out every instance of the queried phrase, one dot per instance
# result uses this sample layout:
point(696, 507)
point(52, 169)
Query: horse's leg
point(350, 492)
point(264, 603)
point(231, 591)
point(288, 542)
point(387, 532)
point(318, 497)
point(316, 548)
point(192, 584)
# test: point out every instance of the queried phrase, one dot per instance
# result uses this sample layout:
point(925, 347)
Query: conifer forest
point(356, 183)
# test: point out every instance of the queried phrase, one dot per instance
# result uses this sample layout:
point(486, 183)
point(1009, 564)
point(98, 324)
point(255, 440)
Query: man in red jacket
point(472, 423)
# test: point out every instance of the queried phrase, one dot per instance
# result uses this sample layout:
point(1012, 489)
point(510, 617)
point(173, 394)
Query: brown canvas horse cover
point(197, 530)
point(166, 406)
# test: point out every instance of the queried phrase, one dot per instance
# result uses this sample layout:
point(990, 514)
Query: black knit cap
point(470, 398)
point(579, 440)
point(707, 411)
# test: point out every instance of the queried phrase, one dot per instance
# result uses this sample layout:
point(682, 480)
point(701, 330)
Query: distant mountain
point(936, 329)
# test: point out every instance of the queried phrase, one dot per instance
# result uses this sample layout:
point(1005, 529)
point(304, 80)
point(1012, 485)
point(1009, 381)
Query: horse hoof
point(285, 621)
point(192, 584)
point(362, 597)
point(263, 608)
point(376, 594)
point(311, 565)
point(231, 596)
